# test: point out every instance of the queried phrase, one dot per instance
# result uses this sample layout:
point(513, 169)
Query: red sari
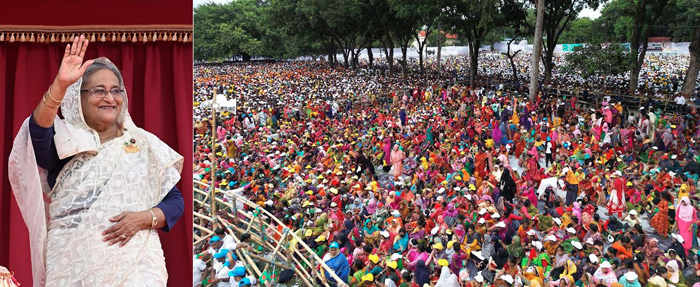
point(660, 220)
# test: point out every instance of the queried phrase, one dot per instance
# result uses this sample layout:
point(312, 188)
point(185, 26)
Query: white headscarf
point(73, 136)
point(685, 212)
point(447, 279)
point(673, 264)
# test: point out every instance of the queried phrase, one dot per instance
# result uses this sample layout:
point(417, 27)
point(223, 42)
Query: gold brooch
point(131, 147)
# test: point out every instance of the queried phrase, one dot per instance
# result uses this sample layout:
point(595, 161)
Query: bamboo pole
point(197, 214)
point(304, 245)
point(252, 237)
point(203, 238)
point(300, 270)
point(242, 253)
point(212, 187)
point(277, 232)
point(277, 248)
point(203, 228)
point(268, 261)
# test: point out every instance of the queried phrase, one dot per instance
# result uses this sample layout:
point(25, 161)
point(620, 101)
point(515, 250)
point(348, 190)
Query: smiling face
point(101, 112)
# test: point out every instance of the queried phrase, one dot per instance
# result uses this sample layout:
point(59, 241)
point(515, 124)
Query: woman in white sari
point(107, 185)
point(447, 278)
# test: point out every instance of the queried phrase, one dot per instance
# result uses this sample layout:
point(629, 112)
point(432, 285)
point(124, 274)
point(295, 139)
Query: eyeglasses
point(99, 92)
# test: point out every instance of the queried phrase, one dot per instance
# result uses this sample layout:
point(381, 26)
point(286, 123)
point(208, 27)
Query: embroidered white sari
point(102, 180)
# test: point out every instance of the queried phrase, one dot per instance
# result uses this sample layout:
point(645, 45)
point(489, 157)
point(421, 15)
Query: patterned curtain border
point(55, 34)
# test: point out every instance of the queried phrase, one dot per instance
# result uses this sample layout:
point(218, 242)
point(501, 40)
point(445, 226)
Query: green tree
point(424, 15)
point(238, 28)
point(558, 16)
point(686, 27)
point(616, 21)
point(515, 14)
point(474, 19)
point(596, 60)
point(582, 30)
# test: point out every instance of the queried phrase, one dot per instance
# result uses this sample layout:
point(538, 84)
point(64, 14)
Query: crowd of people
point(417, 181)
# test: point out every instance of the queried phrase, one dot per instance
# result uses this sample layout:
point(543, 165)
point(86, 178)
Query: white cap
point(384, 233)
point(631, 276)
point(396, 256)
point(577, 244)
point(605, 264)
point(508, 278)
point(678, 237)
point(469, 196)
point(564, 170)
point(590, 241)
point(531, 232)
point(537, 245)
point(441, 190)
point(269, 202)
point(500, 224)
point(550, 238)
point(496, 215)
point(593, 258)
point(571, 230)
point(482, 220)
point(633, 212)
point(479, 278)
point(434, 230)
point(482, 211)
point(395, 213)
point(333, 204)
point(674, 156)
point(618, 173)
point(557, 221)
point(478, 255)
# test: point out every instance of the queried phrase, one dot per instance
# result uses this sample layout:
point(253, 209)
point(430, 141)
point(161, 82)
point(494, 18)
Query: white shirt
point(229, 198)
point(680, 100)
point(252, 279)
point(549, 182)
point(199, 266)
point(222, 272)
point(228, 243)
point(549, 148)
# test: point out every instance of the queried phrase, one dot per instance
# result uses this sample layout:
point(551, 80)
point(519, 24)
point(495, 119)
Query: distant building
point(451, 40)
point(658, 44)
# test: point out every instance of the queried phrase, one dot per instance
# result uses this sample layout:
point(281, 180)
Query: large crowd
point(418, 181)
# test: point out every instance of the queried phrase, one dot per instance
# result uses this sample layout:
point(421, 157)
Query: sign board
point(655, 47)
point(570, 47)
point(626, 47)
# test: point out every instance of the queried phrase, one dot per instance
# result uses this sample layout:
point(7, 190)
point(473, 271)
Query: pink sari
point(686, 215)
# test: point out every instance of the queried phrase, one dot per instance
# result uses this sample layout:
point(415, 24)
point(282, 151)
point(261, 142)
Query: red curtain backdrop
point(158, 79)
point(91, 12)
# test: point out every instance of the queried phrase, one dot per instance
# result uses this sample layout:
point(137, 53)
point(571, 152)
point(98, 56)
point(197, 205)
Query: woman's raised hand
point(72, 66)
